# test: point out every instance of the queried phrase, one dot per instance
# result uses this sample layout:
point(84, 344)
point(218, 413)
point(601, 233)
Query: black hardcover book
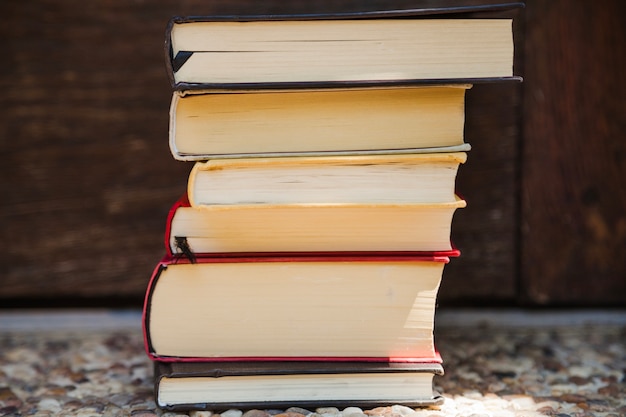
point(441, 45)
point(274, 384)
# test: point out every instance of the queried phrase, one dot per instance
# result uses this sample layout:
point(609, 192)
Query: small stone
point(402, 410)
point(49, 404)
point(200, 414)
point(289, 414)
point(232, 413)
point(583, 406)
point(111, 410)
point(521, 402)
point(572, 398)
point(611, 390)
point(252, 413)
point(579, 380)
point(331, 411)
point(121, 399)
point(553, 365)
point(378, 411)
point(352, 412)
point(599, 405)
point(298, 410)
point(547, 407)
point(8, 398)
point(274, 412)
point(98, 406)
point(545, 410)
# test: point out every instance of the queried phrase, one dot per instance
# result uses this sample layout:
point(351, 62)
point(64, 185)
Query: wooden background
point(87, 177)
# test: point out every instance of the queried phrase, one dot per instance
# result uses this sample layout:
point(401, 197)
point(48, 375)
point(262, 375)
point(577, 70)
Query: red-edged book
point(306, 228)
point(339, 307)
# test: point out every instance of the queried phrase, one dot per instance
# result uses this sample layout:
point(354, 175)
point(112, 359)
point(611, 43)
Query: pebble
point(205, 414)
point(232, 413)
point(353, 412)
point(299, 410)
point(327, 411)
point(251, 413)
point(291, 414)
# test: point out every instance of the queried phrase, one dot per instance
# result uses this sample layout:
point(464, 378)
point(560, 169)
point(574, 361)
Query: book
point(341, 307)
point(271, 385)
point(363, 179)
point(209, 125)
point(413, 227)
point(367, 48)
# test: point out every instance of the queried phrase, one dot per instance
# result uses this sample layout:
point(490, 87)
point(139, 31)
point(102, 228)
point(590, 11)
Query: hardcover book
point(352, 227)
point(341, 307)
point(213, 125)
point(362, 179)
point(266, 385)
point(369, 48)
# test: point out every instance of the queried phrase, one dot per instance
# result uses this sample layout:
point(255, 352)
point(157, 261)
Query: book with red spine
point(341, 307)
point(311, 228)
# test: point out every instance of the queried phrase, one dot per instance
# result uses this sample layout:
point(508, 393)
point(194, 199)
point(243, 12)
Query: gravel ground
point(491, 370)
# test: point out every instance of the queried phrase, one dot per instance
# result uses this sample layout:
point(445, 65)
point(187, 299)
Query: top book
point(436, 45)
point(414, 46)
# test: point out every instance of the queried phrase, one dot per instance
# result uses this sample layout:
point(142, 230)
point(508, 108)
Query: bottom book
point(274, 384)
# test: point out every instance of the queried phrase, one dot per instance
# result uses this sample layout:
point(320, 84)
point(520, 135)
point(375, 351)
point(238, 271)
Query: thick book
point(441, 45)
point(350, 227)
point(339, 307)
point(209, 125)
point(276, 385)
point(393, 178)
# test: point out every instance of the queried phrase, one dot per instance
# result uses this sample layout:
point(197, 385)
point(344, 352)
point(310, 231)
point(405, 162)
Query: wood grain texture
point(87, 177)
point(574, 150)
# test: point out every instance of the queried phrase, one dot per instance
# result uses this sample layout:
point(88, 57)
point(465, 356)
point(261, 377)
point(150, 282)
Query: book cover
point(396, 46)
point(283, 307)
point(265, 385)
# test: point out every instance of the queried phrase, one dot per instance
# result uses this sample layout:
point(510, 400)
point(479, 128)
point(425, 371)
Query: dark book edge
point(325, 367)
point(199, 157)
point(185, 86)
point(443, 11)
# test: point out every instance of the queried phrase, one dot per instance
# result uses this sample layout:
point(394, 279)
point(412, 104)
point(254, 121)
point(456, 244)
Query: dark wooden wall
point(87, 177)
point(573, 212)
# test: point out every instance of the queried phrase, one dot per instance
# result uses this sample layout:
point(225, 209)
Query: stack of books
point(303, 262)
